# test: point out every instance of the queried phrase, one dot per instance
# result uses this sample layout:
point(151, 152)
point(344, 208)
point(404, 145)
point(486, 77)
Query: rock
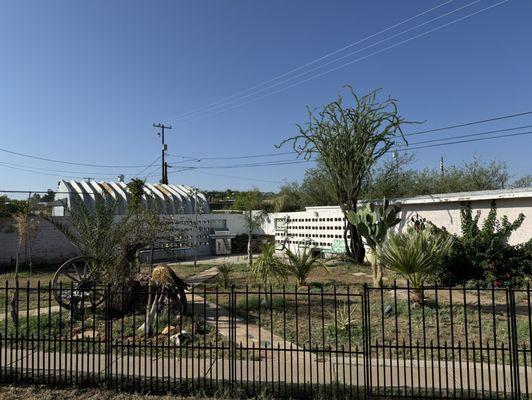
point(181, 339)
point(169, 329)
point(388, 310)
point(88, 334)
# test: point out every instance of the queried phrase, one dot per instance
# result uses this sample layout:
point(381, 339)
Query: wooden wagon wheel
point(77, 284)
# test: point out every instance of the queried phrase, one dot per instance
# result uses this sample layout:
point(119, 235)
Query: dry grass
point(42, 393)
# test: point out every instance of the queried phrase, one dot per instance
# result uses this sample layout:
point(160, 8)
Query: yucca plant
point(301, 263)
point(267, 267)
point(414, 254)
point(225, 269)
point(93, 231)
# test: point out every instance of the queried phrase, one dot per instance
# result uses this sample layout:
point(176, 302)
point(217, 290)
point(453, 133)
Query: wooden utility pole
point(164, 166)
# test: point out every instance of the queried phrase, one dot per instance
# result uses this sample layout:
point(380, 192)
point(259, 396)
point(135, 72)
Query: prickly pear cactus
point(373, 221)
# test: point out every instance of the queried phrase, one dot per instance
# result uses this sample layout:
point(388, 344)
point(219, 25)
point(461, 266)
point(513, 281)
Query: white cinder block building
point(323, 226)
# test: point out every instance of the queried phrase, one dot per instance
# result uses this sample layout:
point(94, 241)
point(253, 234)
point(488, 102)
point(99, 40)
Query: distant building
point(167, 199)
point(323, 227)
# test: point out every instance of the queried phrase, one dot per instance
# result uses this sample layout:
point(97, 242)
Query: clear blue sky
point(84, 81)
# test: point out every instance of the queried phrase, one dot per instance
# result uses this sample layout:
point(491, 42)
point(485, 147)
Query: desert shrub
point(268, 267)
point(301, 263)
point(413, 255)
point(482, 255)
point(225, 269)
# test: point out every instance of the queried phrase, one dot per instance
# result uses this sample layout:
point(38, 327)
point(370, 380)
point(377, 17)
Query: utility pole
point(442, 170)
point(164, 166)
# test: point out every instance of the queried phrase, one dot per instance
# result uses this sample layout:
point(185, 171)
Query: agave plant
point(413, 255)
point(301, 263)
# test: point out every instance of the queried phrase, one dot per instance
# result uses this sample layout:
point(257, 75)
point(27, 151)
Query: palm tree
point(413, 255)
point(301, 263)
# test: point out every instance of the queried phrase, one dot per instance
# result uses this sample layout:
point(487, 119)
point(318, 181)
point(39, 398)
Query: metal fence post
point(366, 338)
point(108, 330)
point(232, 338)
point(514, 343)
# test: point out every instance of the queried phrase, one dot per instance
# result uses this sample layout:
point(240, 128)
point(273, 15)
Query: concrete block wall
point(49, 245)
point(324, 225)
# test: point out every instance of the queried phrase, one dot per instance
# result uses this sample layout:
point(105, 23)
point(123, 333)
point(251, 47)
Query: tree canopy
point(349, 137)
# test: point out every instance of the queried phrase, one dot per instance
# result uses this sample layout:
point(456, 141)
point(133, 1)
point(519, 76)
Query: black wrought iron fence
point(297, 343)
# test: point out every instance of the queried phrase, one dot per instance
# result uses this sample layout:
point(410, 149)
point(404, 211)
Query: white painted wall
point(324, 225)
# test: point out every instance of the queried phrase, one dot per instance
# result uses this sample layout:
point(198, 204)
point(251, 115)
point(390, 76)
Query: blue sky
point(84, 81)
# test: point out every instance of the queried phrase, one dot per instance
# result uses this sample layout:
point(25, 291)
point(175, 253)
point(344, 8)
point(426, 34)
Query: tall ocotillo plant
point(372, 223)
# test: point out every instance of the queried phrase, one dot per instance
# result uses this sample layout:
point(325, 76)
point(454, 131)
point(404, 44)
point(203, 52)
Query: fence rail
point(302, 342)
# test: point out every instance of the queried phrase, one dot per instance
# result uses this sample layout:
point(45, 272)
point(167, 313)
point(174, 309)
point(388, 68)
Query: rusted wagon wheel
point(77, 284)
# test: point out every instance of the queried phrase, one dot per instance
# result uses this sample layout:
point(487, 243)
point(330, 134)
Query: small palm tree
point(251, 205)
point(414, 255)
point(301, 263)
point(268, 267)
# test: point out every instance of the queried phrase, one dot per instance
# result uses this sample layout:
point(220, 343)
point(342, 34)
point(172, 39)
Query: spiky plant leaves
point(414, 254)
point(301, 263)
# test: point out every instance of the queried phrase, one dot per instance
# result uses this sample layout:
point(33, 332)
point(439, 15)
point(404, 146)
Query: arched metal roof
point(167, 199)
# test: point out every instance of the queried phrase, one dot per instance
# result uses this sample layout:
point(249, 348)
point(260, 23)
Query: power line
point(352, 61)
point(69, 162)
point(467, 135)
point(467, 141)
point(470, 123)
point(491, 119)
point(335, 60)
point(223, 100)
point(148, 166)
point(38, 172)
point(57, 170)
point(250, 165)
point(289, 162)
point(199, 159)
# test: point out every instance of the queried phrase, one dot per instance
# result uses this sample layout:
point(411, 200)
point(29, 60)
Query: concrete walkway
point(203, 276)
point(296, 367)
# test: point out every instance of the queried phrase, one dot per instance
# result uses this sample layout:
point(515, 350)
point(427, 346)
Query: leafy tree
point(482, 254)
point(10, 207)
point(349, 140)
point(523, 182)
point(317, 188)
point(413, 255)
point(393, 179)
point(251, 203)
point(135, 188)
point(288, 199)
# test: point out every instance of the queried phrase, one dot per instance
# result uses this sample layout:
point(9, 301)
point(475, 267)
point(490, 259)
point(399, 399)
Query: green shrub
point(482, 255)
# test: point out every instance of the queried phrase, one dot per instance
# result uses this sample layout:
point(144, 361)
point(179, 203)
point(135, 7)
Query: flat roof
point(455, 197)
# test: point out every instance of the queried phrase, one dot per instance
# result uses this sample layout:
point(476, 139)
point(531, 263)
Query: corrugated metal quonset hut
point(168, 199)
